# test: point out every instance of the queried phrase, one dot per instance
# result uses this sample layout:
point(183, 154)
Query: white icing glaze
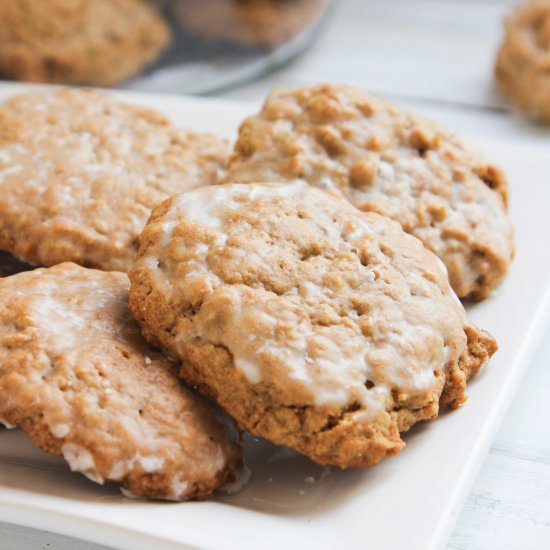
point(10, 151)
point(81, 460)
point(94, 476)
point(386, 171)
point(242, 477)
point(8, 425)
point(60, 430)
point(151, 463)
point(64, 325)
point(120, 469)
point(148, 464)
point(10, 171)
point(179, 488)
point(128, 494)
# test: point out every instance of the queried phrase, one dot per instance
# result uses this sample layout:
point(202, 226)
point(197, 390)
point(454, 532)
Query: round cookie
point(264, 23)
point(387, 161)
point(523, 61)
point(313, 324)
point(94, 42)
point(80, 172)
point(76, 375)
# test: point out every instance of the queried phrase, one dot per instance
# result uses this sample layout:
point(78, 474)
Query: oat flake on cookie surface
point(80, 173)
point(313, 324)
point(76, 375)
point(391, 162)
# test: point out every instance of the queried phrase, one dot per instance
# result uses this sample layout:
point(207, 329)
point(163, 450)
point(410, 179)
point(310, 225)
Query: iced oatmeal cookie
point(76, 375)
point(94, 42)
point(313, 324)
point(80, 172)
point(522, 69)
point(391, 162)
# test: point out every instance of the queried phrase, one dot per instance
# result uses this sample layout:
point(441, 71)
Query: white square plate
point(409, 501)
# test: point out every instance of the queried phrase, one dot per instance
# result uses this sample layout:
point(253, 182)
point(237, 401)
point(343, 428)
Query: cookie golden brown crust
point(481, 347)
point(313, 324)
point(80, 172)
point(523, 61)
point(267, 23)
point(387, 161)
point(77, 376)
point(94, 42)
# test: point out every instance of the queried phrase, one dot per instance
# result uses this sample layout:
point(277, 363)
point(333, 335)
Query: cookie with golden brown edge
point(76, 375)
point(522, 70)
point(80, 173)
point(391, 162)
point(313, 324)
point(94, 42)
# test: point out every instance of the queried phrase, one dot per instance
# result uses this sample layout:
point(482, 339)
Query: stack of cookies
point(304, 286)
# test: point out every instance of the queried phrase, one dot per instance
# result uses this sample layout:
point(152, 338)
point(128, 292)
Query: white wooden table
point(435, 55)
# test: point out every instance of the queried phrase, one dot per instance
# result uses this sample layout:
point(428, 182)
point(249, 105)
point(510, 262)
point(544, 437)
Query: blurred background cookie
point(76, 375)
point(80, 172)
point(522, 69)
point(96, 42)
point(265, 23)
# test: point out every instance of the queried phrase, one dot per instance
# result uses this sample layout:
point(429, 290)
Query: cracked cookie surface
point(76, 375)
point(523, 61)
point(313, 324)
point(80, 173)
point(391, 162)
point(93, 42)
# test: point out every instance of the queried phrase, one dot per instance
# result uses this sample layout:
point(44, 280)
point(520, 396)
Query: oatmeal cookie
point(391, 162)
point(94, 42)
point(80, 172)
point(264, 23)
point(313, 324)
point(78, 377)
point(522, 70)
